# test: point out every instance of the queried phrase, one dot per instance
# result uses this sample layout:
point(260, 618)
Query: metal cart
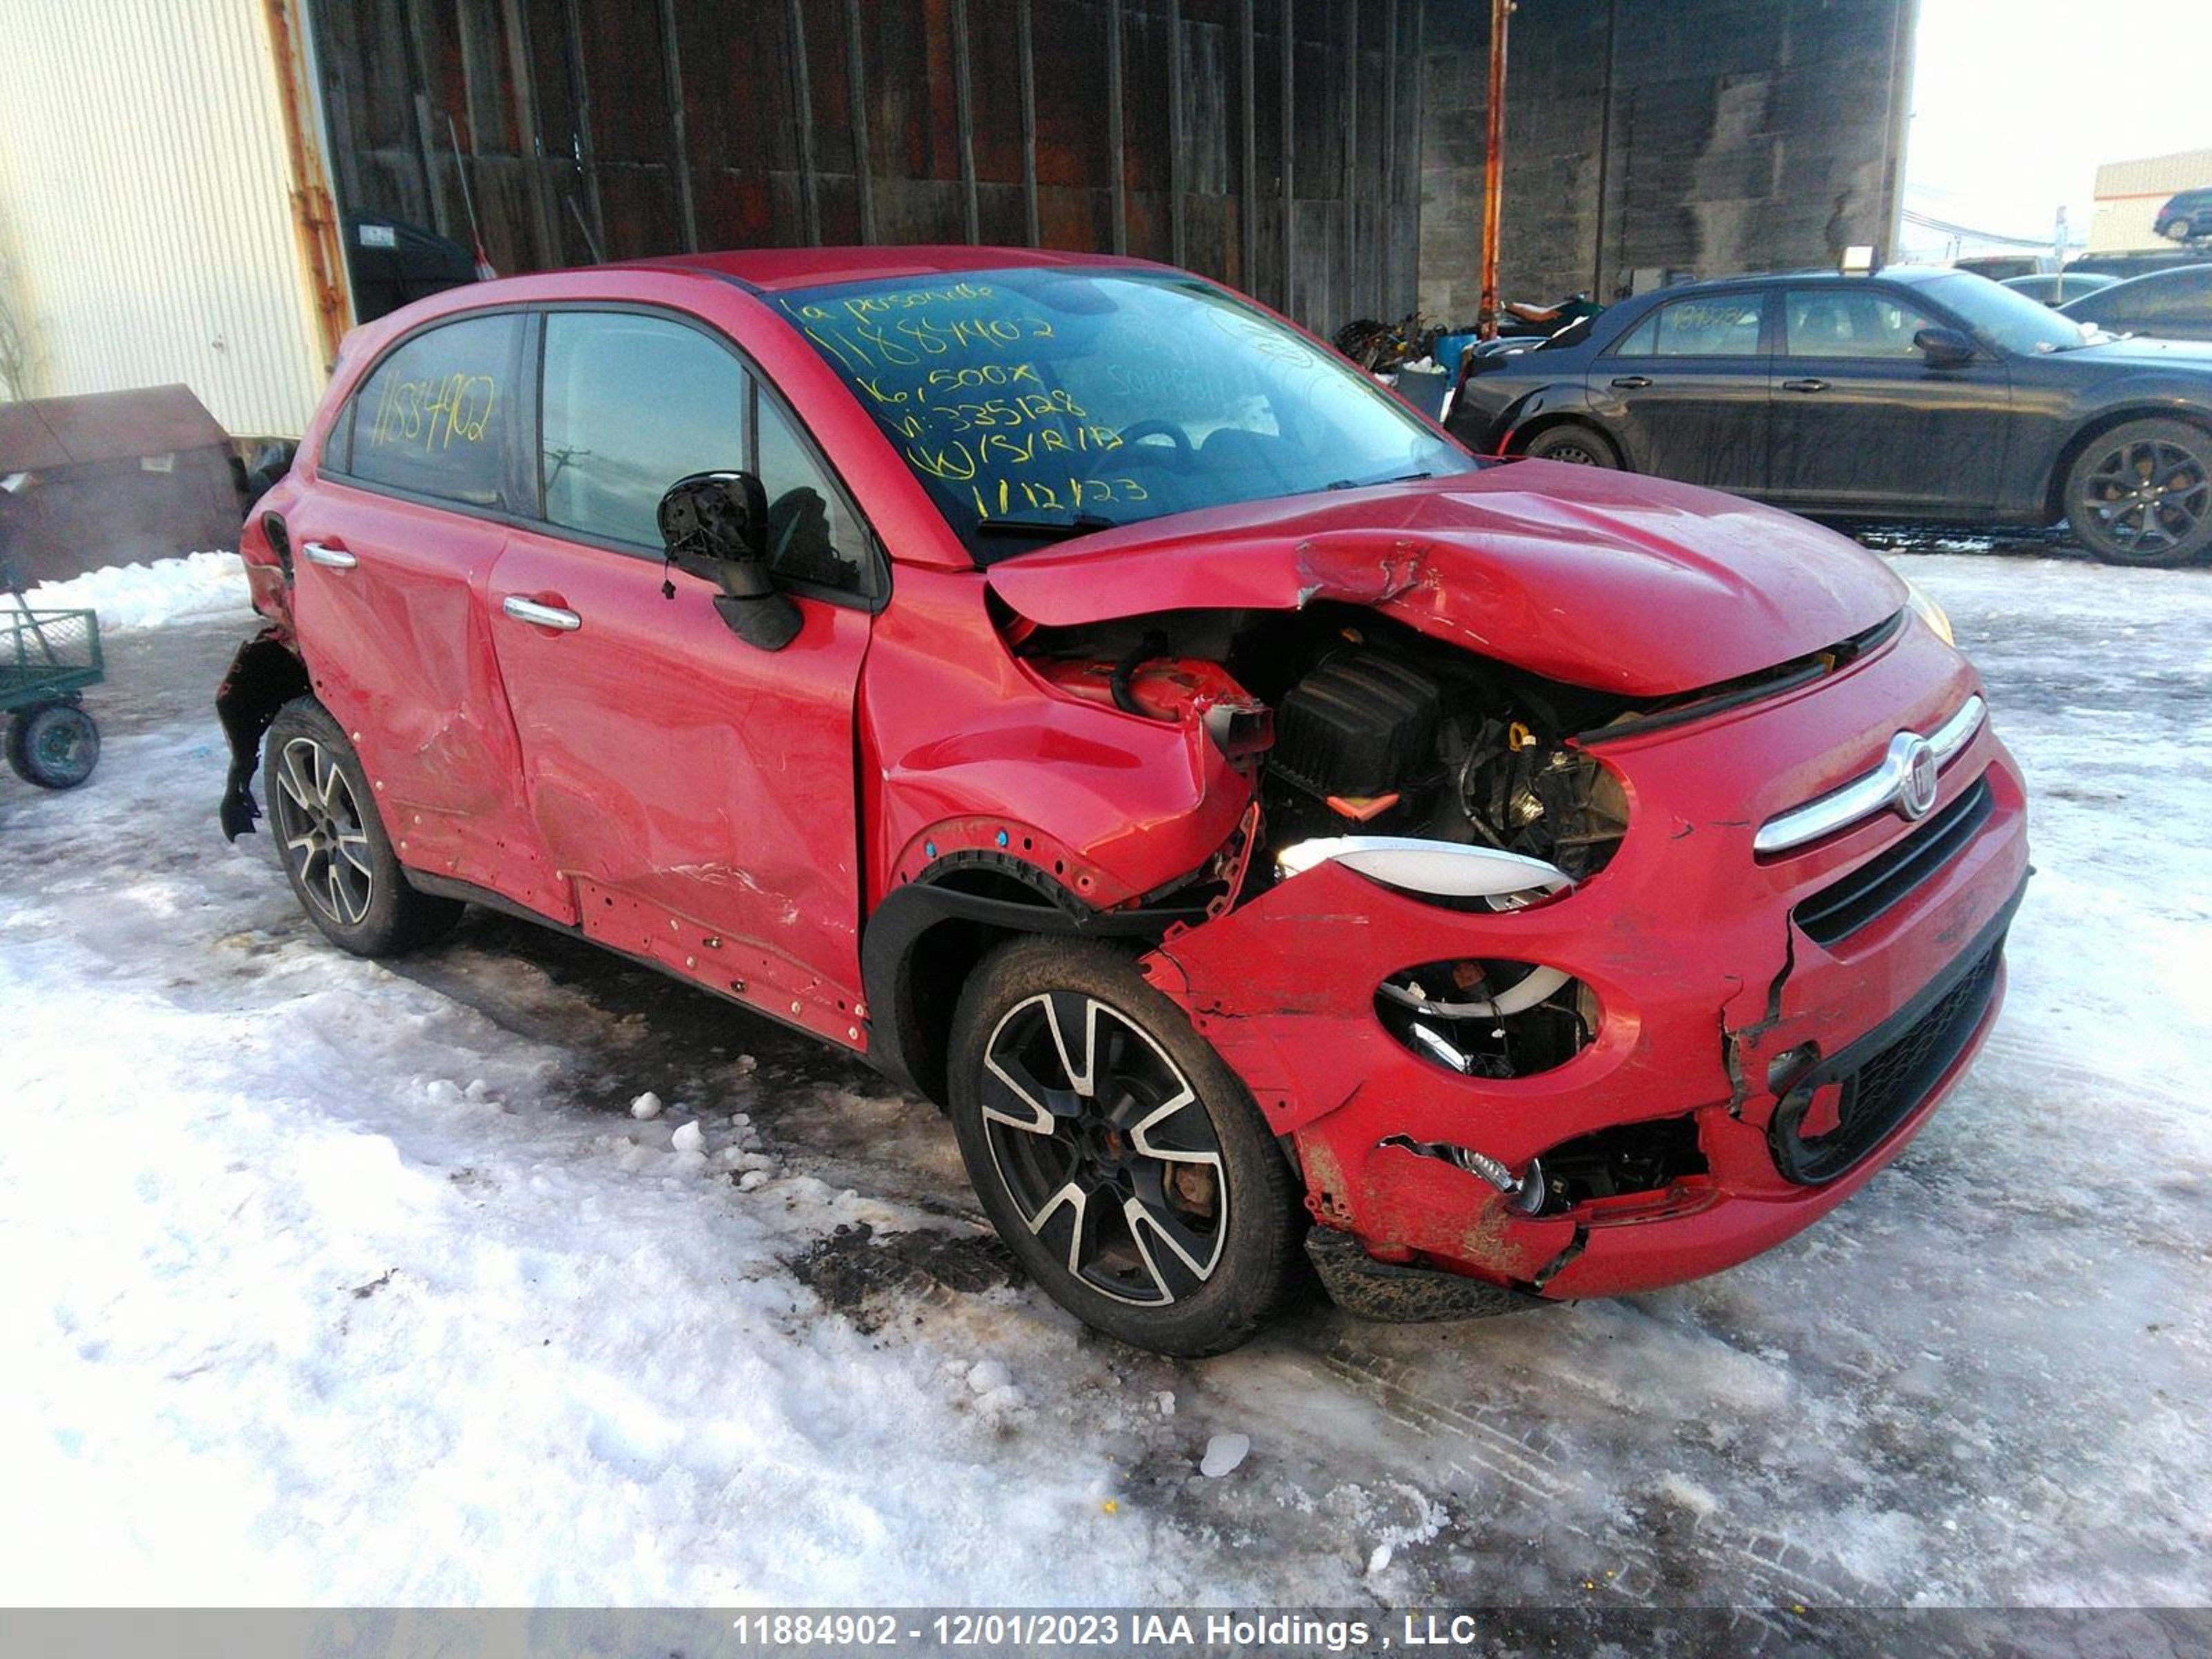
point(46, 659)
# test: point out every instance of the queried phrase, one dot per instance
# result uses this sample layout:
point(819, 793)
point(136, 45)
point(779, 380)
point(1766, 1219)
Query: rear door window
point(1702, 325)
point(435, 416)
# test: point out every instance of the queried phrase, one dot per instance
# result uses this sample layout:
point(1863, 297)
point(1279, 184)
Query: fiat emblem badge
point(1916, 788)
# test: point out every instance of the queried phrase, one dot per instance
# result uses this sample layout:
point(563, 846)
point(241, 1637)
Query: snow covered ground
point(330, 1282)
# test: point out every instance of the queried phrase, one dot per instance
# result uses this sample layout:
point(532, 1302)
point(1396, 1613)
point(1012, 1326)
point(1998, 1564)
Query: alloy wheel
point(324, 840)
point(1105, 1148)
point(2147, 495)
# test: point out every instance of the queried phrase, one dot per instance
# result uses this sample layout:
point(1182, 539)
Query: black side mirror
point(1944, 348)
point(715, 525)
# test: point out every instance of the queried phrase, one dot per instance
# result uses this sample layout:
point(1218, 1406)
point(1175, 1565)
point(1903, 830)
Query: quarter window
point(632, 404)
point(812, 535)
point(1848, 322)
point(433, 418)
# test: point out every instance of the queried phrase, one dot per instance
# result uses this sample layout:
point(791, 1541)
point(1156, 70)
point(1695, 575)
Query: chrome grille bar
point(1875, 791)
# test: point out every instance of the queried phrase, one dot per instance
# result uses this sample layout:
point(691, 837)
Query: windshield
point(2005, 318)
point(1037, 404)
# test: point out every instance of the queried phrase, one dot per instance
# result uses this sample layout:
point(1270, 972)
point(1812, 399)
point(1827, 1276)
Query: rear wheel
point(2175, 230)
point(55, 745)
point(1574, 443)
point(336, 854)
point(2142, 494)
point(1115, 1152)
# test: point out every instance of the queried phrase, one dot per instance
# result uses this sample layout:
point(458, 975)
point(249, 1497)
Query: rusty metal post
point(315, 216)
point(1493, 169)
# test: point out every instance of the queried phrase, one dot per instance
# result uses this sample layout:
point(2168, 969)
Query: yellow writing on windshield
point(954, 375)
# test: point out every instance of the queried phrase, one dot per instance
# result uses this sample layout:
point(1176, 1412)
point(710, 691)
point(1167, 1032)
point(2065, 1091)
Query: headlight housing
point(1928, 610)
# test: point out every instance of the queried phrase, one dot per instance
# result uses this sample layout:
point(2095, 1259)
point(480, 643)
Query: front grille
point(1883, 1089)
point(1842, 908)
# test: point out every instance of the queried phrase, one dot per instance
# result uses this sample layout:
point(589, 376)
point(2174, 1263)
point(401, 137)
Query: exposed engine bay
point(1349, 723)
point(1357, 724)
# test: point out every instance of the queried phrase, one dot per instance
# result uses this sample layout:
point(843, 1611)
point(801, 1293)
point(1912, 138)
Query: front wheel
point(55, 745)
point(336, 854)
point(1117, 1155)
point(2142, 494)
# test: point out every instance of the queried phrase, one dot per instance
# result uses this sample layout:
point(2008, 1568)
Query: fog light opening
point(1489, 1017)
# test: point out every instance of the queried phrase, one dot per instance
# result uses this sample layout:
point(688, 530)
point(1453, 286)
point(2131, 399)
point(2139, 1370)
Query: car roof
point(1907, 273)
point(774, 269)
point(2180, 276)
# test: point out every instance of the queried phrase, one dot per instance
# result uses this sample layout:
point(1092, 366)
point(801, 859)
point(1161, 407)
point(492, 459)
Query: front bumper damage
point(1720, 1012)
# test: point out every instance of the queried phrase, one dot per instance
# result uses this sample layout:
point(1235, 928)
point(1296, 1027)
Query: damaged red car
point(1267, 829)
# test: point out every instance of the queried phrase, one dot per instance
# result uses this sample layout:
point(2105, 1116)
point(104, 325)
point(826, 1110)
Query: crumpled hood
point(1600, 579)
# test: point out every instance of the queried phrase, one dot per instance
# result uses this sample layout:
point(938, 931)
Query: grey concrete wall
point(1728, 135)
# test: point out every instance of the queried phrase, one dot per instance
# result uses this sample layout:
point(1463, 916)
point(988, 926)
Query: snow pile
point(129, 597)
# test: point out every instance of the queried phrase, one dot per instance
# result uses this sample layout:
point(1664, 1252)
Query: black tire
point(54, 746)
point(2175, 230)
point(1202, 1245)
point(2142, 494)
point(1572, 442)
point(323, 817)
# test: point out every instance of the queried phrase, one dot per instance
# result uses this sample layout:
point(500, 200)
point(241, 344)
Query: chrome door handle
point(1632, 382)
point(1804, 386)
point(540, 616)
point(336, 558)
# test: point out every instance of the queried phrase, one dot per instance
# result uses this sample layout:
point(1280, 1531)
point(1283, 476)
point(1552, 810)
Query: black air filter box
point(1358, 725)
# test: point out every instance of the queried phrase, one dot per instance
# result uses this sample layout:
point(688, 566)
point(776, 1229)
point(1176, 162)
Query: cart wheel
point(55, 745)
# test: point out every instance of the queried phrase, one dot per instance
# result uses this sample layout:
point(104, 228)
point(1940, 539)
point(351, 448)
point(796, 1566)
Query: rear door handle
point(1632, 382)
point(323, 553)
point(1804, 386)
point(540, 616)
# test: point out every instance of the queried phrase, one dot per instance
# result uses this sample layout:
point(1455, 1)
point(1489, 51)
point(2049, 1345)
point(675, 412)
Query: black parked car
point(1921, 394)
point(2186, 217)
point(2056, 288)
point(2167, 305)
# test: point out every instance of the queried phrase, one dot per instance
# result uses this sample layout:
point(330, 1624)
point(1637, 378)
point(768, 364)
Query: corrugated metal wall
point(1272, 143)
point(145, 202)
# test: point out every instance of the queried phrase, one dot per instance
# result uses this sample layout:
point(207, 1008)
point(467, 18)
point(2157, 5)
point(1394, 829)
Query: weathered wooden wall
point(1272, 143)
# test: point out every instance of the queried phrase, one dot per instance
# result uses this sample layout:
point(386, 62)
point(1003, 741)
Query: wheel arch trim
point(908, 1038)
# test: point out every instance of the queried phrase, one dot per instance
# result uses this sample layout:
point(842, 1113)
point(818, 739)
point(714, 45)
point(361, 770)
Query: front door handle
point(334, 558)
point(1632, 382)
point(1804, 386)
point(540, 616)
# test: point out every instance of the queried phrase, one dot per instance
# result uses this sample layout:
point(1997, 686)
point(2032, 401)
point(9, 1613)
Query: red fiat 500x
point(1261, 825)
